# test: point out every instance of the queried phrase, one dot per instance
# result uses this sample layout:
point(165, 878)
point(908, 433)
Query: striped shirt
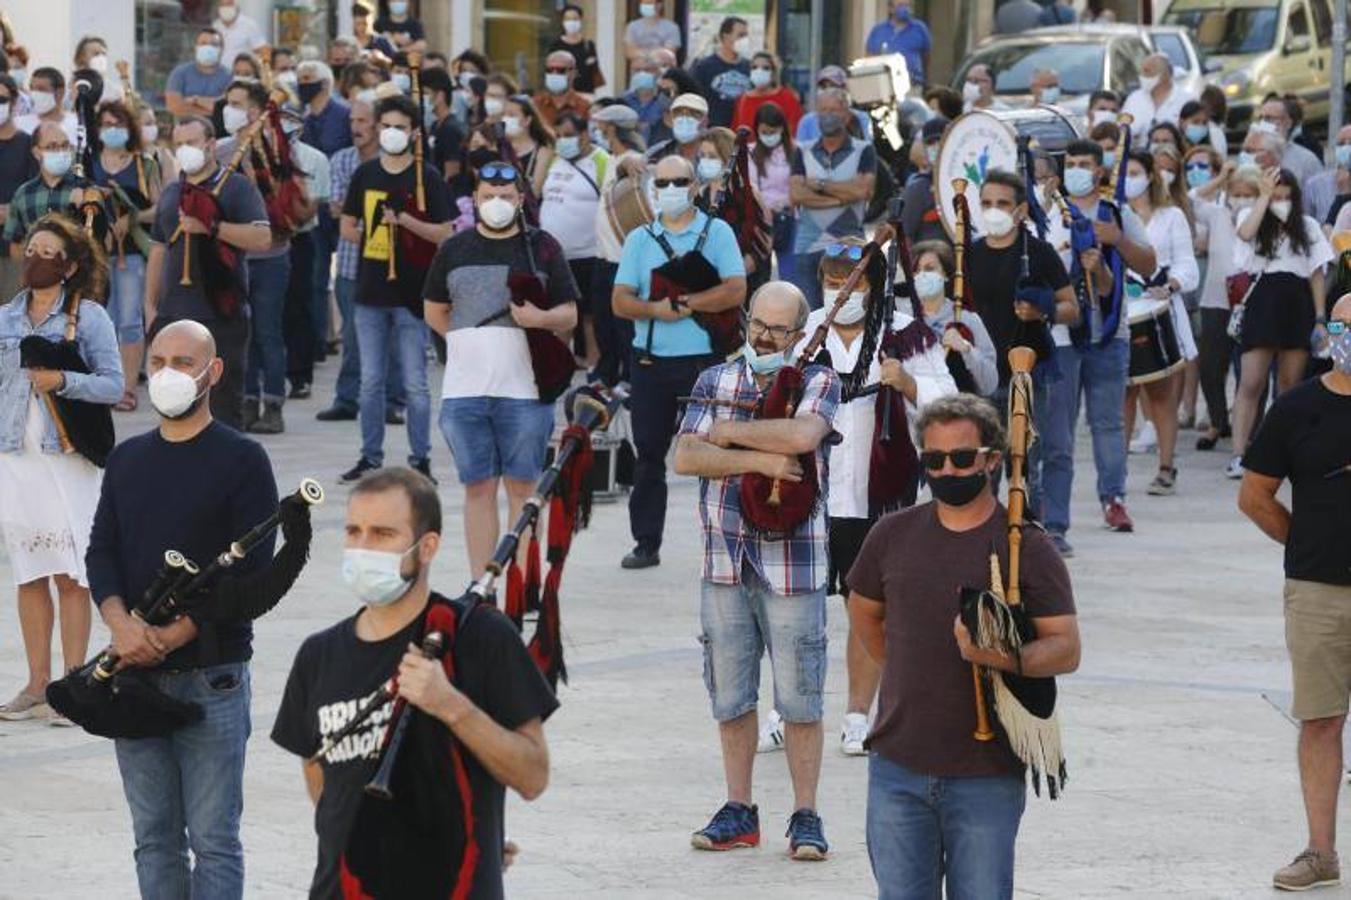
point(341, 166)
point(798, 563)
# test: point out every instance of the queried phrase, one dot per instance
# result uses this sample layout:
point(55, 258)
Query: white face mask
point(4, 113)
point(854, 308)
point(228, 14)
point(647, 10)
point(403, 81)
point(970, 92)
point(1167, 177)
point(174, 394)
point(234, 118)
point(997, 222)
point(709, 169)
point(1149, 82)
point(1280, 209)
point(1103, 116)
point(497, 213)
point(99, 63)
point(572, 26)
point(771, 138)
point(512, 125)
point(673, 199)
point(149, 134)
point(43, 101)
point(742, 46)
point(928, 284)
point(376, 576)
point(493, 107)
point(190, 159)
point(761, 77)
point(393, 141)
point(1136, 185)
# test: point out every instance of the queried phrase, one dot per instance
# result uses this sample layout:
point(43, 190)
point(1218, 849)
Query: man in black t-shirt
point(1306, 438)
point(447, 134)
point(725, 74)
point(495, 709)
point(395, 238)
point(1018, 307)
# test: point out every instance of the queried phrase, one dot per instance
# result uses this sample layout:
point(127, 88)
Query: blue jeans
point(924, 830)
point(186, 790)
point(741, 621)
point(491, 437)
point(348, 392)
point(126, 298)
point(785, 236)
point(1098, 374)
point(266, 372)
point(376, 328)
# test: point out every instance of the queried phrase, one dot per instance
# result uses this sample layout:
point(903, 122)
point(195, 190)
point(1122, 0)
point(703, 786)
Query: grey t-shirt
point(240, 202)
point(664, 33)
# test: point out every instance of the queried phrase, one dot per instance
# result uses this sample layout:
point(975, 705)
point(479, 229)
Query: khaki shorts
point(1318, 635)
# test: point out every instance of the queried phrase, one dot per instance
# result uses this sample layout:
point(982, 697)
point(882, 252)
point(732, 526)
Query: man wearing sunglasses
point(491, 414)
point(760, 592)
point(1306, 437)
point(559, 95)
point(941, 805)
point(670, 348)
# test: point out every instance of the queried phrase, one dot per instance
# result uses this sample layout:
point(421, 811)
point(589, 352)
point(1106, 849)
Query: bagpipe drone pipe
point(81, 427)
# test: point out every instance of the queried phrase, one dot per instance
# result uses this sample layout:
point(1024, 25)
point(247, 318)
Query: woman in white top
point(973, 360)
point(1171, 236)
point(1168, 168)
point(1286, 251)
point(770, 170)
point(921, 378)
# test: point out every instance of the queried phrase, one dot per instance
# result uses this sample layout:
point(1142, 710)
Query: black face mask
point(958, 490)
point(481, 156)
point(309, 90)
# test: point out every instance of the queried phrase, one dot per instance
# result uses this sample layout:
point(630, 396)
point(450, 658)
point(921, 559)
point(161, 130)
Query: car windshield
point(1171, 46)
point(1079, 65)
point(1249, 29)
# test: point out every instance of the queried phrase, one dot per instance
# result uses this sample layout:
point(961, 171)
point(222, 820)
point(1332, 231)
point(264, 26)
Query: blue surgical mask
point(1196, 177)
point(403, 81)
point(1344, 155)
point(685, 129)
point(928, 284)
point(116, 138)
point(709, 169)
point(555, 82)
point(1109, 158)
point(642, 81)
point(1079, 181)
point(569, 147)
point(207, 55)
point(1050, 94)
point(599, 139)
point(1247, 159)
point(57, 162)
point(763, 363)
point(673, 199)
point(398, 7)
point(761, 77)
point(1197, 133)
point(376, 576)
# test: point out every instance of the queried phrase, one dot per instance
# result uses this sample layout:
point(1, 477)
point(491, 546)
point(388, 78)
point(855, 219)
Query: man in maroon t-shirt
point(942, 805)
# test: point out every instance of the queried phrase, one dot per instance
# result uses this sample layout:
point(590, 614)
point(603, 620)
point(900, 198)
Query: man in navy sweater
point(192, 485)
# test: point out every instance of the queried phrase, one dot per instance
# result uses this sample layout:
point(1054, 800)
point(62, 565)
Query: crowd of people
point(394, 209)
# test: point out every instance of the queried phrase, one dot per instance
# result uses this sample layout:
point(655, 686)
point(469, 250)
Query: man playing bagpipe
point(494, 709)
point(758, 589)
point(191, 485)
point(57, 188)
point(204, 224)
point(945, 797)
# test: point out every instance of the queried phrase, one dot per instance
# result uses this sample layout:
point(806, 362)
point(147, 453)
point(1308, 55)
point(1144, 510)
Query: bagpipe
point(768, 505)
point(961, 288)
point(81, 427)
point(739, 207)
point(551, 359)
point(221, 282)
point(412, 249)
point(274, 171)
point(1036, 335)
point(1024, 707)
point(126, 704)
point(410, 812)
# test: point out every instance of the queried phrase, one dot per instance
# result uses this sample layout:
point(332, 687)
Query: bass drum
point(982, 140)
point(629, 205)
point(1155, 351)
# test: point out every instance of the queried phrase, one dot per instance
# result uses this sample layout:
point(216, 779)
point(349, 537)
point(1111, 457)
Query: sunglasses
point(964, 458)
point(498, 173)
point(846, 251)
point(682, 181)
point(1203, 166)
point(556, 70)
point(1337, 328)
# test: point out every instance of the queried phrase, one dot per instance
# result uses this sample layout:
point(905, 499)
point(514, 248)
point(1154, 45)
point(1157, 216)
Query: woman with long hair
point(583, 49)
point(934, 268)
point(766, 88)
point(771, 167)
point(48, 497)
point(1176, 272)
point(530, 139)
point(1286, 252)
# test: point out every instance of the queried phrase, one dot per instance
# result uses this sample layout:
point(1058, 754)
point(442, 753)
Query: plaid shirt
point(341, 166)
point(793, 565)
point(34, 199)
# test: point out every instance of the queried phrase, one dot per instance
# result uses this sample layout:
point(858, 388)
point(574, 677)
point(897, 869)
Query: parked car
point(1257, 47)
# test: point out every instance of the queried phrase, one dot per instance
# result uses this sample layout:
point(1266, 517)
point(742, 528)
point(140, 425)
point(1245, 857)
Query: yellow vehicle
point(1258, 47)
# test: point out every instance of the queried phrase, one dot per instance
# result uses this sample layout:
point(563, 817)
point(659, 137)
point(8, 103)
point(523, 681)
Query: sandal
point(24, 706)
point(128, 403)
point(1164, 483)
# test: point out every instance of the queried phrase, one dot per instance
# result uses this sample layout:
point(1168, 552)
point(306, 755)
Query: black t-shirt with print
point(372, 186)
point(1306, 437)
point(333, 675)
point(995, 274)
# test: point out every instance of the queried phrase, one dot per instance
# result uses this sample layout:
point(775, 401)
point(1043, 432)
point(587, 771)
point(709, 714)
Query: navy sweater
point(194, 496)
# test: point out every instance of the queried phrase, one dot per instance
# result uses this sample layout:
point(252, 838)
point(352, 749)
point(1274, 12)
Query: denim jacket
point(97, 340)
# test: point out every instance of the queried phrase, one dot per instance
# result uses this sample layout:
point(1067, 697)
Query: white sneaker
point(854, 733)
point(771, 733)
point(1235, 468)
point(1145, 439)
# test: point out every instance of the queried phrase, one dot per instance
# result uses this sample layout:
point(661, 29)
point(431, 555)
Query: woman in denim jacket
point(47, 497)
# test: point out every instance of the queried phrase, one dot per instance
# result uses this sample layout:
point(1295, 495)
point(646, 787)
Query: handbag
point(1235, 327)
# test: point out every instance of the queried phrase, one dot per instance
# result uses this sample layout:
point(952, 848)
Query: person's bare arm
point(800, 434)
point(178, 105)
point(867, 618)
point(435, 232)
point(154, 268)
point(247, 236)
point(436, 314)
point(134, 642)
point(350, 228)
point(1066, 306)
point(625, 303)
point(800, 193)
point(562, 317)
point(695, 455)
point(1054, 651)
point(1257, 500)
point(314, 779)
point(728, 294)
point(1318, 285)
point(855, 190)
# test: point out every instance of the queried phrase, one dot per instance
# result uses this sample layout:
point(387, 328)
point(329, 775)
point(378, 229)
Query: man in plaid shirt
point(760, 592)
point(55, 189)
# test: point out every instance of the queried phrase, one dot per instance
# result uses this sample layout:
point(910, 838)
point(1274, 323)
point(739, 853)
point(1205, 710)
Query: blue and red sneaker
point(735, 825)
point(806, 837)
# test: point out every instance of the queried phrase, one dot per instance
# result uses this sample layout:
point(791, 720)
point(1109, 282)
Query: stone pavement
point(1183, 778)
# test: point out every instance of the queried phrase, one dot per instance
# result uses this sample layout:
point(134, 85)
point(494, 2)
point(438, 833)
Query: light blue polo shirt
point(642, 254)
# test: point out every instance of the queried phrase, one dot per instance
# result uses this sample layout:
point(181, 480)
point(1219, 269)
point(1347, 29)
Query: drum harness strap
point(1081, 334)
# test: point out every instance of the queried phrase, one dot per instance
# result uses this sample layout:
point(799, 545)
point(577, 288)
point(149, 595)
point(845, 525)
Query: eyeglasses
point(498, 173)
point(779, 333)
point(1337, 328)
point(846, 251)
point(30, 250)
point(964, 458)
point(682, 181)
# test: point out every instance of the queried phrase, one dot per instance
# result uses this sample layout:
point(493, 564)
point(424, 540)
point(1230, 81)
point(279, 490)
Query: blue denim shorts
point(126, 298)
point(741, 621)
point(495, 436)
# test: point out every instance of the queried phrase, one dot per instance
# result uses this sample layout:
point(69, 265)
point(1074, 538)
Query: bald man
point(1157, 99)
point(762, 591)
point(191, 485)
point(1306, 438)
point(559, 95)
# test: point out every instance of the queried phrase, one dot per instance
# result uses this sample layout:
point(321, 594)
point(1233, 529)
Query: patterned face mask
point(1340, 345)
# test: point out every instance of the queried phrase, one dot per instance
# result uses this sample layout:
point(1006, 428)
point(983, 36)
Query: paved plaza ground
point(1183, 780)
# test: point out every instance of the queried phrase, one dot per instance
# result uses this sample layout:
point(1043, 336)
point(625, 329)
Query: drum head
point(976, 143)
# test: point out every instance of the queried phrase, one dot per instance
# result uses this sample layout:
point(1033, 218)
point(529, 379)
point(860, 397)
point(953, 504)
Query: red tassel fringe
point(514, 603)
point(532, 573)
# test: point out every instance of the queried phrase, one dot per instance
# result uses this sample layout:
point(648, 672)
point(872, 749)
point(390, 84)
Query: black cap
point(935, 127)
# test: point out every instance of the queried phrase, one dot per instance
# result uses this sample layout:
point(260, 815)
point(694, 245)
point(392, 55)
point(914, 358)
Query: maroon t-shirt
point(917, 568)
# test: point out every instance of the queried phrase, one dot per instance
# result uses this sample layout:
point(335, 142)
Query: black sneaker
point(363, 466)
point(641, 558)
point(806, 837)
point(336, 413)
point(393, 416)
point(425, 467)
point(299, 391)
